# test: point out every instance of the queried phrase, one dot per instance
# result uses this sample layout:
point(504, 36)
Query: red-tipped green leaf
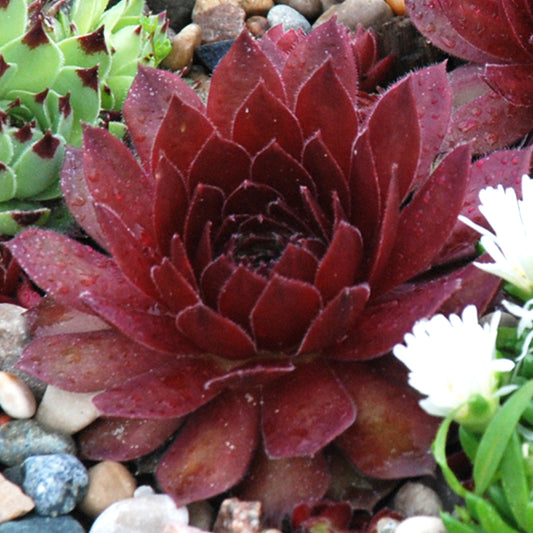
point(212, 451)
point(304, 411)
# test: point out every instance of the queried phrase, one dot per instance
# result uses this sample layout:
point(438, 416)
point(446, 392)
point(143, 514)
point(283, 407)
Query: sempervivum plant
point(494, 92)
point(260, 254)
point(56, 71)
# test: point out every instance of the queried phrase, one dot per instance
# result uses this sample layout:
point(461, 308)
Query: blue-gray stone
point(21, 438)
point(288, 17)
point(41, 524)
point(56, 483)
point(210, 54)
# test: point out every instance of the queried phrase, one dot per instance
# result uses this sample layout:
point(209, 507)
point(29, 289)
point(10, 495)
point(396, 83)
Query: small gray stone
point(57, 483)
point(22, 438)
point(289, 18)
point(211, 54)
point(40, 524)
point(308, 8)
point(415, 499)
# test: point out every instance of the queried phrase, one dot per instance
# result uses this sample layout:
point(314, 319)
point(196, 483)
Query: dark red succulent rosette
point(493, 96)
point(261, 254)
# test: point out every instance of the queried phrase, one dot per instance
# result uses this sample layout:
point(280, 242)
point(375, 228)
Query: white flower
point(525, 314)
point(453, 360)
point(511, 244)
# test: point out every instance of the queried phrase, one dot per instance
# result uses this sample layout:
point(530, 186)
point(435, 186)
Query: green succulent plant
point(62, 64)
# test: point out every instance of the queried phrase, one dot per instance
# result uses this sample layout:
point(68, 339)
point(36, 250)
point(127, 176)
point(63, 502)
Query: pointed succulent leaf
point(7, 71)
point(13, 15)
point(46, 155)
point(212, 451)
point(280, 484)
point(513, 82)
point(124, 439)
point(16, 215)
point(392, 435)
point(6, 151)
point(41, 59)
point(85, 15)
point(89, 361)
point(299, 419)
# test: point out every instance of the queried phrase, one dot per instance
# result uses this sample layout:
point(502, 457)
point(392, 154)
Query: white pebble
point(421, 524)
point(109, 482)
point(65, 411)
point(16, 398)
point(417, 499)
point(146, 512)
point(13, 502)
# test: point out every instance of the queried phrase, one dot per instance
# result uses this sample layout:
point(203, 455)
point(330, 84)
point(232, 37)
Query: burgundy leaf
point(427, 220)
point(247, 63)
point(212, 451)
point(392, 435)
point(334, 322)
point(184, 130)
point(178, 257)
point(214, 333)
point(77, 196)
point(384, 323)
point(281, 484)
point(513, 82)
point(303, 411)
point(115, 179)
point(261, 118)
point(87, 362)
point(249, 198)
point(124, 439)
point(214, 277)
point(174, 290)
point(175, 388)
point(170, 204)
point(148, 99)
point(296, 263)
point(239, 295)
point(341, 263)
point(324, 105)
point(283, 313)
point(226, 177)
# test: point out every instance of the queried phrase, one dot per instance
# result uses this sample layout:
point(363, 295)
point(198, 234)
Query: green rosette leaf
point(13, 16)
point(85, 15)
point(15, 216)
point(87, 51)
point(7, 182)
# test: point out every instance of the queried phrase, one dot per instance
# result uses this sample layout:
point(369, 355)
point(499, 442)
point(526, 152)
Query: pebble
point(40, 524)
point(236, 516)
point(176, 527)
point(308, 8)
point(178, 11)
point(57, 483)
point(16, 398)
point(183, 46)
point(13, 502)
point(414, 499)
point(210, 54)
point(20, 439)
point(387, 525)
point(351, 13)
point(289, 18)
point(109, 482)
point(257, 25)
point(146, 512)
point(222, 22)
point(65, 411)
point(398, 6)
point(420, 524)
point(256, 7)
point(201, 515)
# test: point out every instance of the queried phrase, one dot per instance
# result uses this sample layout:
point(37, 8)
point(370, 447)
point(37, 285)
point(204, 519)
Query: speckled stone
point(289, 18)
point(56, 483)
point(220, 23)
point(416, 499)
point(210, 54)
point(308, 8)
point(236, 516)
point(40, 524)
point(351, 13)
point(20, 439)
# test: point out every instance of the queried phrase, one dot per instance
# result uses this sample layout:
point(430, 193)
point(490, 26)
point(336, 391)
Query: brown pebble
point(351, 13)
point(183, 46)
point(414, 499)
point(398, 6)
point(225, 21)
point(109, 482)
point(257, 25)
point(13, 502)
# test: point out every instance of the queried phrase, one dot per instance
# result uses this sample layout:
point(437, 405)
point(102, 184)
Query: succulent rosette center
point(261, 252)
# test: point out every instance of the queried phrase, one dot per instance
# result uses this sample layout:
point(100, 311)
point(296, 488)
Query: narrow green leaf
point(453, 525)
point(514, 480)
point(497, 435)
point(488, 516)
point(469, 442)
point(529, 517)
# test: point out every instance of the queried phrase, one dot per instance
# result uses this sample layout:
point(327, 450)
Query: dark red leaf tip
point(36, 36)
